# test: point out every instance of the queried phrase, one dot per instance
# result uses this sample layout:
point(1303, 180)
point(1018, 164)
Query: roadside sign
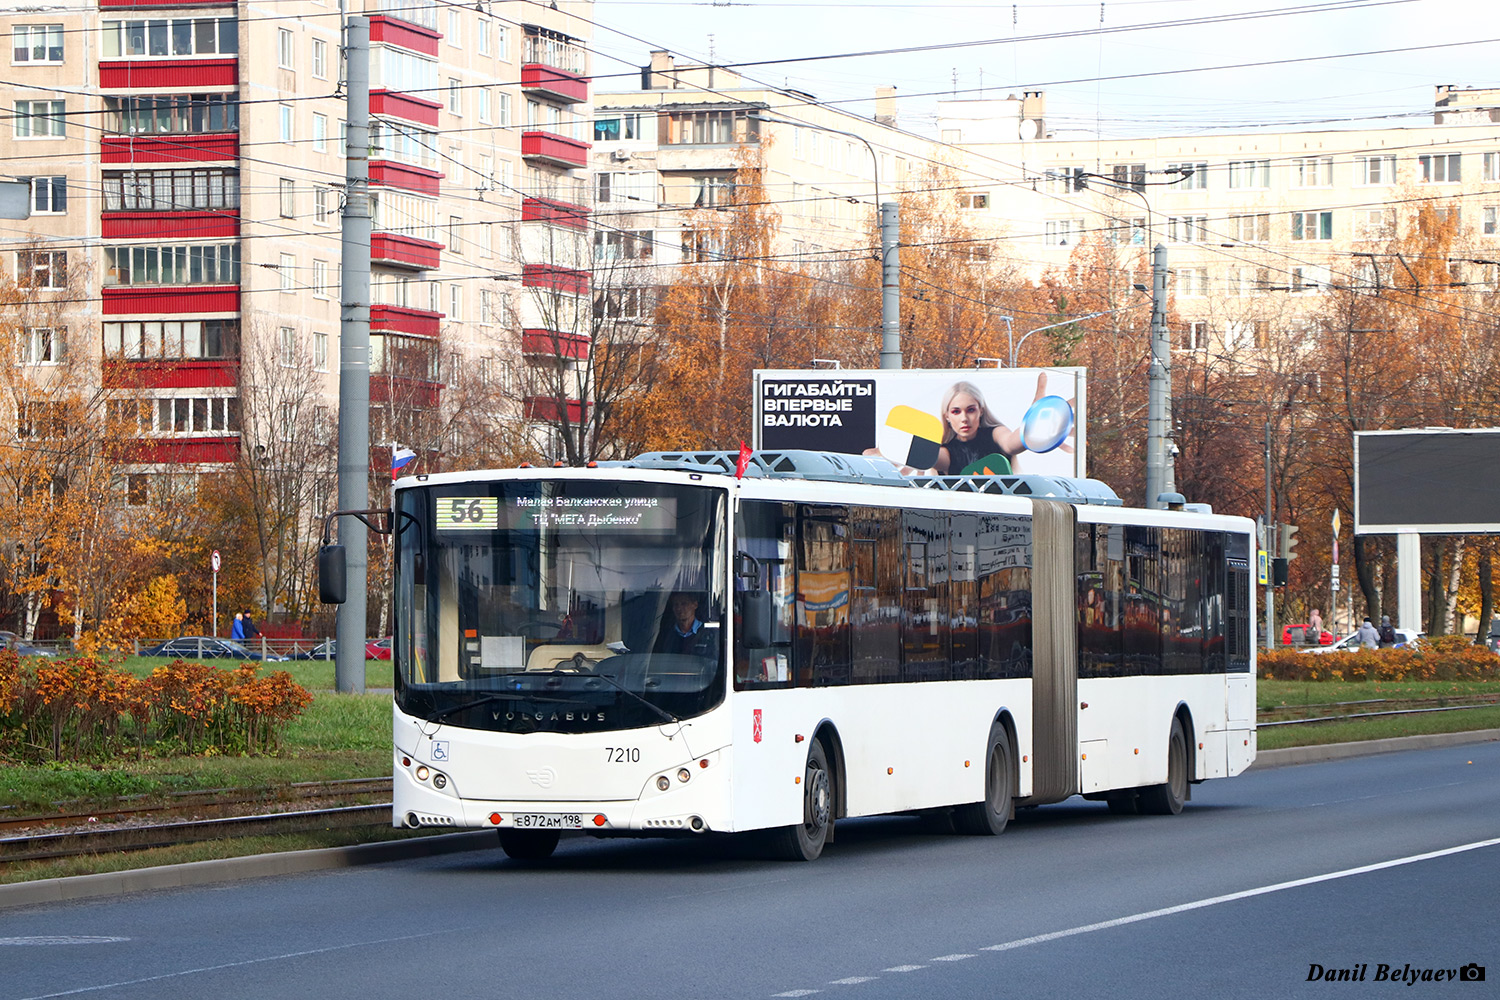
point(1262, 568)
point(1335, 571)
point(1335, 524)
point(215, 560)
point(1335, 586)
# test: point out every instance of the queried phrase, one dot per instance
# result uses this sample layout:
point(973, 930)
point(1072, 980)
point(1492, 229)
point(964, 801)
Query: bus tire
point(804, 841)
point(528, 845)
point(988, 818)
point(1167, 799)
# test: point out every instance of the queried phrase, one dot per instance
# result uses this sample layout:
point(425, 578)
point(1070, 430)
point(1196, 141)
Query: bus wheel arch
point(833, 747)
point(989, 816)
point(1167, 798)
point(818, 790)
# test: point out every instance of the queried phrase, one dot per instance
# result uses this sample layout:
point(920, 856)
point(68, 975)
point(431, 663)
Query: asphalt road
point(1387, 861)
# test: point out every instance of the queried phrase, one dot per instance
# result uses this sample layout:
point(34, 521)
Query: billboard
point(956, 421)
point(1434, 481)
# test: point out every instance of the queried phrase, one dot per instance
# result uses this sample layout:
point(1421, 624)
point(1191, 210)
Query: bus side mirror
point(755, 619)
point(332, 584)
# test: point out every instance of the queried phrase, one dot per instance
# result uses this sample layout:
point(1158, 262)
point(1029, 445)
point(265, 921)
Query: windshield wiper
point(621, 688)
point(499, 696)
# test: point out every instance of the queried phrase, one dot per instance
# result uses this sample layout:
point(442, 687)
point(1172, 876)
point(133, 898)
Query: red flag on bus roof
point(744, 461)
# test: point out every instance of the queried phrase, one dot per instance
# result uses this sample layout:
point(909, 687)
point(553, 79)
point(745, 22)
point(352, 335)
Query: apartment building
point(1258, 225)
point(187, 168)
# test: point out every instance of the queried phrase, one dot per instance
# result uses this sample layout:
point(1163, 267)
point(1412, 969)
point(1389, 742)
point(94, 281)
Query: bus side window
point(875, 609)
point(765, 533)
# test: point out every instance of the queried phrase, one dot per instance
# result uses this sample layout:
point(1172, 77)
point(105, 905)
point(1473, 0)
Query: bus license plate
point(547, 821)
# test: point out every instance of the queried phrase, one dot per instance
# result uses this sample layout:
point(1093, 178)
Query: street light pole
point(889, 213)
point(1159, 473)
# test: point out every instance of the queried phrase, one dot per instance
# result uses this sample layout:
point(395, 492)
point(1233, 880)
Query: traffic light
point(1080, 179)
point(1288, 542)
point(1278, 573)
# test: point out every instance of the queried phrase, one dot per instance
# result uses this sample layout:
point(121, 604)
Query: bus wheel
point(1167, 799)
point(804, 841)
point(989, 817)
point(528, 845)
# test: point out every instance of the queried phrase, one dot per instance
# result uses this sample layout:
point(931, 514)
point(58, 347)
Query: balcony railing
point(549, 147)
point(558, 84)
point(551, 210)
point(398, 250)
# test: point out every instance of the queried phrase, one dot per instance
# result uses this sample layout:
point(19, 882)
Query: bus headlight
point(663, 783)
point(683, 774)
point(439, 780)
point(422, 772)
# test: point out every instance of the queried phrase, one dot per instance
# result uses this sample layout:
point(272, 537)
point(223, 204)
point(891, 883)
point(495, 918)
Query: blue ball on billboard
point(1046, 424)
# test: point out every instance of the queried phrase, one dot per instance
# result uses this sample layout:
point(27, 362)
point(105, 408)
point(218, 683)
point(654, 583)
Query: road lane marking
point(61, 939)
point(234, 965)
point(904, 968)
point(796, 993)
point(950, 958)
point(1233, 896)
point(852, 980)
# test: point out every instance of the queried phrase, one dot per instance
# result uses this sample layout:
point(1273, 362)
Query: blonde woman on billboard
point(975, 442)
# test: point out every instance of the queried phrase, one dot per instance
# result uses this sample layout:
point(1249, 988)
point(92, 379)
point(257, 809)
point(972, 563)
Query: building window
point(502, 42)
point(486, 306)
point(1440, 168)
point(456, 303)
point(320, 58)
point(1370, 171)
point(1187, 228)
point(287, 265)
point(455, 29)
point(288, 198)
point(41, 345)
point(484, 105)
point(1191, 282)
point(504, 109)
point(1310, 278)
point(1312, 225)
point(160, 38)
point(286, 123)
point(973, 199)
point(455, 97)
point(41, 419)
point(1251, 228)
point(1374, 223)
point(171, 190)
point(1196, 176)
point(320, 278)
point(620, 245)
point(1194, 336)
point(287, 343)
point(319, 133)
point(1312, 171)
point(1062, 232)
point(36, 43)
point(320, 352)
point(617, 127)
point(455, 240)
point(482, 33)
point(710, 127)
point(49, 195)
point(712, 191)
point(1491, 167)
point(41, 119)
point(174, 264)
point(1249, 175)
point(1131, 175)
point(323, 204)
point(212, 338)
point(42, 268)
point(285, 49)
point(176, 113)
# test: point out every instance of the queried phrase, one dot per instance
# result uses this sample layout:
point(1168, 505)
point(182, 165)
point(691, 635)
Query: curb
point(1367, 748)
point(195, 873)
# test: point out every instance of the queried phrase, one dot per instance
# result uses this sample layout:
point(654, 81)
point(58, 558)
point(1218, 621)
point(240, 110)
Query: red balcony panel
point(552, 148)
point(406, 391)
point(160, 73)
point(393, 31)
point(419, 180)
point(547, 408)
point(563, 279)
point(558, 84)
point(412, 109)
point(195, 4)
point(573, 346)
point(175, 148)
point(550, 210)
point(170, 225)
point(220, 373)
point(183, 451)
point(174, 301)
point(405, 251)
point(400, 319)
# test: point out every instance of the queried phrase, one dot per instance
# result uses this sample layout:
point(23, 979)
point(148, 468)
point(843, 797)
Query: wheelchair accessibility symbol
point(439, 749)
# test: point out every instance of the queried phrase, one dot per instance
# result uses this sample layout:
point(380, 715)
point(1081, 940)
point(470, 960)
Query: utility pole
point(1270, 549)
point(354, 360)
point(890, 285)
point(1159, 477)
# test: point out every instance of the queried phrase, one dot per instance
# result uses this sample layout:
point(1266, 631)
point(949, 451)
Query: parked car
point(378, 649)
point(19, 646)
point(1350, 643)
point(325, 650)
point(1302, 634)
point(1493, 639)
point(204, 647)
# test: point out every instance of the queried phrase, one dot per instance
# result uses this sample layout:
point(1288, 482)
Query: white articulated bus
point(662, 647)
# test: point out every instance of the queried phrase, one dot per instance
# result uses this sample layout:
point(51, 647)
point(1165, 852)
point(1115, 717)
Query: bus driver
point(684, 633)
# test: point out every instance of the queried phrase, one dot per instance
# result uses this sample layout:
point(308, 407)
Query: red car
point(378, 649)
point(1300, 635)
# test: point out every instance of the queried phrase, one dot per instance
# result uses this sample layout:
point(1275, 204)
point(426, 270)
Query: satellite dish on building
point(1030, 128)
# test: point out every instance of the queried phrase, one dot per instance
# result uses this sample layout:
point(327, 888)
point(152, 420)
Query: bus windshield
point(562, 606)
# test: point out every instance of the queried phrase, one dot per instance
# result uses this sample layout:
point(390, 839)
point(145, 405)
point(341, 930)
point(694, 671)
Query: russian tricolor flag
point(400, 459)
